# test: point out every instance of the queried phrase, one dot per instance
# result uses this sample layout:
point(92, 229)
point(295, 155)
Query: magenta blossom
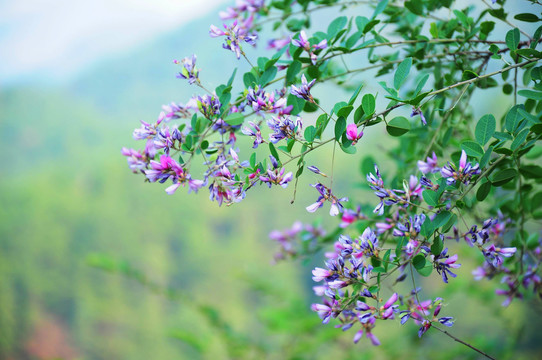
point(352, 133)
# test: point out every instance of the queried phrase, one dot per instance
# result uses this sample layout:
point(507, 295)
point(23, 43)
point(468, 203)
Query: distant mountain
point(139, 82)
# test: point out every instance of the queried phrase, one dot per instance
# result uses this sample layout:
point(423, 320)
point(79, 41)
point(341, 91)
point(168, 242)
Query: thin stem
point(463, 342)
point(332, 166)
point(509, 23)
point(470, 81)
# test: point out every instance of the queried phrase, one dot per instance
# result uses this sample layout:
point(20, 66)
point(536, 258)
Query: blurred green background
point(97, 264)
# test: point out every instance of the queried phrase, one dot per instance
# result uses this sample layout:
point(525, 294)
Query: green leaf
point(502, 177)
point(519, 140)
point(234, 119)
point(415, 6)
point(513, 118)
point(529, 53)
point(361, 21)
point(437, 246)
point(345, 111)
point(450, 223)
point(293, 70)
point(321, 124)
point(462, 18)
point(527, 17)
point(274, 152)
point(335, 26)
point(299, 171)
point(355, 95)
point(386, 259)
point(498, 13)
point(485, 159)
point(421, 84)
point(249, 79)
point(419, 261)
point(268, 75)
point(368, 104)
point(232, 77)
point(433, 30)
point(340, 127)
point(380, 7)
point(310, 133)
point(430, 197)
point(483, 191)
point(441, 218)
point(296, 102)
point(348, 149)
point(398, 126)
point(370, 25)
point(472, 148)
point(512, 39)
point(531, 171)
point(422, 266)
point(485, 128)
point(530, 94)
point(402, 72)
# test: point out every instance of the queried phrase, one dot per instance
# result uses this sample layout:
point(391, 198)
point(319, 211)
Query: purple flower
point(350, 216)
point(430, 166)
point(276, 176)
point(136, 160)
point(495, 255)
point(410, 229)
point(189, 70)
point(146, 131)
point(283, 127)
point(464, 173)
point(253, 130)
point(444, 262)
point(176, 111)
point(511, 292)
point(235, 34)
point(315, 170)
point(208, 105)
point(326, 195)
point(303, 92)
point(352, 133)
point(418, 111)
point(304, 43)
point(260, 100)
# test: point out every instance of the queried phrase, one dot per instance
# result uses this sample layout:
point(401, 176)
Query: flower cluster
point(326, 195)
point(417, 213)
point(304, 91)
point(463, 173)
point(303, 43)
point(300, 238)
point(262, 101)
point(420, 313)
point(189, 70)
point(236, 34)
point(388, 197)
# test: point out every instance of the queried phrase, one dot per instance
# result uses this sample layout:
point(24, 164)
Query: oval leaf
point(234, 119)
point(368, 104)
point(485, 129)
point(398, 126)
point(502, 177)
point(402, 72)
point(472, 149)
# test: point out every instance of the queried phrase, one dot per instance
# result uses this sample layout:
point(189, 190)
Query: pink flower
point(352, 133)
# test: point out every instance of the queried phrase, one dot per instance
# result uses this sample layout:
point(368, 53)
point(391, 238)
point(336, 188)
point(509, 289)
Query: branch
point(464, 343)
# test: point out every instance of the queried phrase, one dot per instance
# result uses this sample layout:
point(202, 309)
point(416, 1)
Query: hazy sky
point(58, 37)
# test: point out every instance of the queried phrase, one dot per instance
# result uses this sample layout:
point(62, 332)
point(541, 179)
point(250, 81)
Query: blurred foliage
point(196, 279)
